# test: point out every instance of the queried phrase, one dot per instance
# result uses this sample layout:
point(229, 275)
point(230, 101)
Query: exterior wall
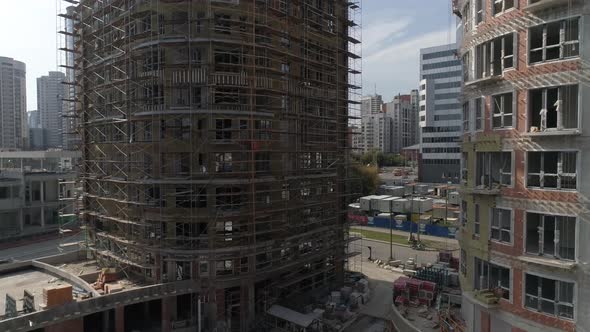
point(70, 136)
point(229, 160)
point(404, 122)
point(440, 114)
point(14, 130)
point(34, 120)
point(36, 187)
point(50, 94)
point(518, 196)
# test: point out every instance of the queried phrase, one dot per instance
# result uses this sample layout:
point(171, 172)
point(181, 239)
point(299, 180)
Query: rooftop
point(40, 154)
point(32, 280)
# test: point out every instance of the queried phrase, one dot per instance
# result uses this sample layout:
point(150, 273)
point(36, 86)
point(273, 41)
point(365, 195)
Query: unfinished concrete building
point(215, 146)
point(524, 258)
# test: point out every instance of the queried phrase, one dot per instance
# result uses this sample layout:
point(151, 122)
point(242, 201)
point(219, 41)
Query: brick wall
point(517, 306)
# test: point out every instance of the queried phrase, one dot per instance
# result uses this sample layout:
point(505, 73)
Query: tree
point(367, 179)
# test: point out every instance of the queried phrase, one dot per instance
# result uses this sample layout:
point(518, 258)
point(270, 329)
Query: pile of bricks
point(447, 257)
point(106, 282)
point(56, 296)
point(414, 292)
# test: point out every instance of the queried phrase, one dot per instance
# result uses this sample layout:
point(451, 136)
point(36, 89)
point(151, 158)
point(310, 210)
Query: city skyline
point(392, 36)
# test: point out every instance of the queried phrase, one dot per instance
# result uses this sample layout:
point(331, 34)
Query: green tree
point(366, 179)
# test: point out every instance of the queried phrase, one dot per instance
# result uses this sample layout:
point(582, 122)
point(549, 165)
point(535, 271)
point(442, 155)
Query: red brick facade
point(519, 141)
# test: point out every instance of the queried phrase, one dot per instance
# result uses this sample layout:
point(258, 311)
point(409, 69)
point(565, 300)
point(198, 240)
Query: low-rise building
point(37, 191)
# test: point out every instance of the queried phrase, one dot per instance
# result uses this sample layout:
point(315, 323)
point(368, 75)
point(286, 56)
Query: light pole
point(447, 204)
point(390, 230)
point(411, 211)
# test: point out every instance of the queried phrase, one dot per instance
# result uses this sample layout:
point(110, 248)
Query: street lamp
point(447, 204)
point(412, 211)
point(390, 230)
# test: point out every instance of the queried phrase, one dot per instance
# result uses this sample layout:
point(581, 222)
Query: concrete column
point(21, 219)
point(105, 320)
point(168, 313)
point(30, 191)
point(42, 189)
point(251, 302)
point(120, 318)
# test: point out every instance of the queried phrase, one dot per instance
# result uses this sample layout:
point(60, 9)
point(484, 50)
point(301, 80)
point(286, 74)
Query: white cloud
point(395, 69)
point(378, 35)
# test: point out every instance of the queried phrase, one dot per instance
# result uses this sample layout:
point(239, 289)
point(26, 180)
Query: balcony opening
point(492, 277)
point(550, 235)
point(502, 106)
point(553, 297)
point(501, 225)
point(554, 41)
point(554, 108)
point(494, 169)
point(223, 129)
point(552, 170)
point(500, 6)
point(479, 11)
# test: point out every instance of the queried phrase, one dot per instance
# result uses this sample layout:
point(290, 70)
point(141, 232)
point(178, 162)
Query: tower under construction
point(215, 144)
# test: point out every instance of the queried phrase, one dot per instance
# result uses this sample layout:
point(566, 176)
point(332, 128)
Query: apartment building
point(371, 104)
point(50, 94)
point(14, 131)
point(440, 114)
point(36, 191)
point(389, 127)
point(225, 160)
point(403, 112)
point(524, 213)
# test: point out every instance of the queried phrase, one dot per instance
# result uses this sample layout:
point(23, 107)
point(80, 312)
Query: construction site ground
point(432, 242)
point(376, 314)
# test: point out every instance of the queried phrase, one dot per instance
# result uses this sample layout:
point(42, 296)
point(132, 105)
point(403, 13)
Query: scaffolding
point(216, 142)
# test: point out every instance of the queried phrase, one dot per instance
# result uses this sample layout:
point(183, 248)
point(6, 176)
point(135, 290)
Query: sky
point(393, 33)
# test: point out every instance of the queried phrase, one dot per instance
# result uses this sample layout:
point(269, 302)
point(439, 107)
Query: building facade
point(525, 144)
point(373, 124)
point(70, 123)
point(371, 104)
point(50, 94)
point(34, 119)
point(36, 191)
point(440, 114)
point(403, 112)
point(14, 131)
point(216, 147)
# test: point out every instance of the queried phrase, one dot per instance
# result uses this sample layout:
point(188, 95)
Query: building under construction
point(215, 146)
point(524, 258)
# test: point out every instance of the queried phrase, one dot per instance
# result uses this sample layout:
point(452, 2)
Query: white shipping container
point(401, 205)
point(366, 203)
point(454, 198)
point(422, 189)
point(369, 203)
point(385, 204)
point(421, 204)
point(392, 190)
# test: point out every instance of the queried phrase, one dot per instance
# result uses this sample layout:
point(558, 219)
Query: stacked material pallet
point(414, 291)
point(56, 296)
point(105, 277)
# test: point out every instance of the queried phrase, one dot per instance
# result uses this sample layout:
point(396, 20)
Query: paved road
point(42, 249)
point(380, 251)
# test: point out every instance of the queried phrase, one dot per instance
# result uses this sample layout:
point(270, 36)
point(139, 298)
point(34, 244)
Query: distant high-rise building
point(13, 105)
point(371, 104)
point(403, 125)
point(34, 119)
point(440, 114)
point(50, 95)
